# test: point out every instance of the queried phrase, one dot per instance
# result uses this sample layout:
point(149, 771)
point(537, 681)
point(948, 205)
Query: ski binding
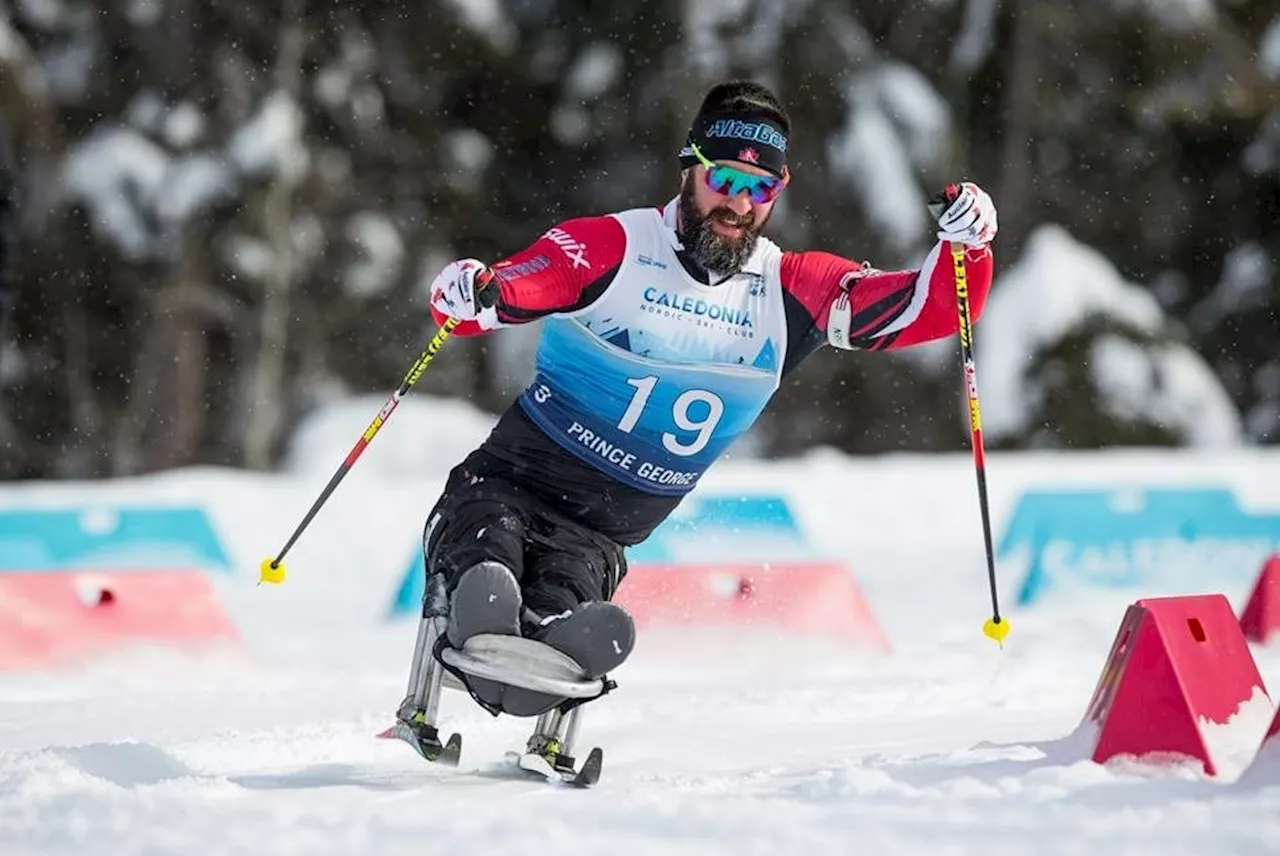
point(559, 768)
point(425, 740)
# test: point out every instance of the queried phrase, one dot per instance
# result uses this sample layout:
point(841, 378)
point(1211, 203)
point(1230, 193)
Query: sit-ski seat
point(520, 662)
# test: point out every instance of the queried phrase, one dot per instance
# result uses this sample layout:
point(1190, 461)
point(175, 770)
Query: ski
point(556, 768)
point(425, 740)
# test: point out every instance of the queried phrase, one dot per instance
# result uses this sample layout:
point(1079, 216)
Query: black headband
point(747, 137)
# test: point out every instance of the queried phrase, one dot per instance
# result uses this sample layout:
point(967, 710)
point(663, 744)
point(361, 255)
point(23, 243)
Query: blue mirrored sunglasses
point(728, 181)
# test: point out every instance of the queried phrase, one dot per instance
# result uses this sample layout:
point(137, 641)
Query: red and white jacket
point(647, 371)
point(573, 263)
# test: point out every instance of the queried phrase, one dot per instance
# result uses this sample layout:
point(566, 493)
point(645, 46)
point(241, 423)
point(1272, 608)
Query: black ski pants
point(484, 516)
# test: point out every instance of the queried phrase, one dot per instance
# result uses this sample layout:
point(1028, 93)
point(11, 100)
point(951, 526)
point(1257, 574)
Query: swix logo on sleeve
point(569, 245)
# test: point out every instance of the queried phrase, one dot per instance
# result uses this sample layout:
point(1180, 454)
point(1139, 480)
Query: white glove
point(970, 219)
point(454, 293)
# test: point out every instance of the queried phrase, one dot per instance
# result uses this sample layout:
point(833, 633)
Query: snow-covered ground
point(715, 742)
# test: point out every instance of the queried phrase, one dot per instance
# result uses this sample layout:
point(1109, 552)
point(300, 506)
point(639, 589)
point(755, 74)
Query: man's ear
point(684, 176)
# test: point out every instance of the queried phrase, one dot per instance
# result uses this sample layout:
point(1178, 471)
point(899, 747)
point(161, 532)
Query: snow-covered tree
point(227, 212)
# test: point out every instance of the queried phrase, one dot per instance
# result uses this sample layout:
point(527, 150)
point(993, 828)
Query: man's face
point(720, 231)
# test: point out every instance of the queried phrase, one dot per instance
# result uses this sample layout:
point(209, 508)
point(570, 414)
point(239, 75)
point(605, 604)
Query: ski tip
point(589, 773)
point(452, 753)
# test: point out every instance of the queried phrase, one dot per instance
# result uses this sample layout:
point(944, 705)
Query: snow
point(468, 149)
point(248, 256)
point(184, 125)
point(144, 13)
point(1169, 385)
point(488, 21)
point(1262, 421)
point(108, 172)
point(919, 111)
point(333, 85)
point(45, 14)
point(69, 64)
point(761, 41)
point(977, 35)
point(1245, 285)
point(897, 125)
point(453, 426)
point(594, 72)
point(1263, 154)
point(16, 56)
point(724, 37)
point(190, 185)
point(1233, 745)
point(125, 180)
point(1269, 50)
point(1266, 416)
point(356, 59)
point(367, 105)
point(1265, 770)
point(571, 124)
point(271, 140)
point(744, 742)
point(10, 46)
point(850, 38)
point(704, 21)
point(868, 156)
point(468, 154)
point(1176, 14)
point(13, 363)
point(382, 250)
point(1054, 286)
point(145, 110)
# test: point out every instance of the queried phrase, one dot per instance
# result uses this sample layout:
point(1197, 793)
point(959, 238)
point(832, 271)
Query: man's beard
point(713, 251)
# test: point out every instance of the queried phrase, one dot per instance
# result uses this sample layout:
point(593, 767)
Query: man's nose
point(740, 203)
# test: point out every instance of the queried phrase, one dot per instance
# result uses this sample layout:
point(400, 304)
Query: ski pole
point(995, 628)
point(272, 570)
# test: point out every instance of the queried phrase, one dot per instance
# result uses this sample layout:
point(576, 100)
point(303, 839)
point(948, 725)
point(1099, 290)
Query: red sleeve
point(888, 309)
point(565, 269)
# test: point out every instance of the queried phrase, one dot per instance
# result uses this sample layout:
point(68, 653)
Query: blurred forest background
point(219, 215)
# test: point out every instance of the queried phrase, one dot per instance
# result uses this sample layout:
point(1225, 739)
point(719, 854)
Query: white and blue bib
point(656, 378)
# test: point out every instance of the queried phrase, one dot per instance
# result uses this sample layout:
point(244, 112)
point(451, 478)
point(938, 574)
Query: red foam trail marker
point(817, 598)
point(1261, 617)
point(1177, 663)
point(51, 619)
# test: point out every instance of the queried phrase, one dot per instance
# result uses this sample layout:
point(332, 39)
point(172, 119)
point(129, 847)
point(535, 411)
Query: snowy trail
point(715, 743)
point(148, 755)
